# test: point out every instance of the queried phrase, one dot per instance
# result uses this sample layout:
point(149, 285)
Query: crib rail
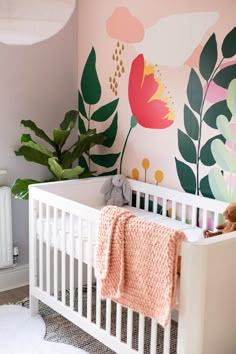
point(62, 254)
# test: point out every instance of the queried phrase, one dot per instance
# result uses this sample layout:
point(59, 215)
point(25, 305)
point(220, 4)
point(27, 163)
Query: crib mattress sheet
point(72, 244)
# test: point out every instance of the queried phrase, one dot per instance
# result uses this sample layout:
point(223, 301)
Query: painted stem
point(123, 151)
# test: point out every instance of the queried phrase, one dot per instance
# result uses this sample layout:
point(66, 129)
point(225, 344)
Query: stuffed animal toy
point(228, 226)
point(117, 191)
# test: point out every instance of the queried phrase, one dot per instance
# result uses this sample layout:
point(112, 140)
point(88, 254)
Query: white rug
point(22, 334)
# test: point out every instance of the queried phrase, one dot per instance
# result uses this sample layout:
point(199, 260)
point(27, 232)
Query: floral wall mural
point(158, 82)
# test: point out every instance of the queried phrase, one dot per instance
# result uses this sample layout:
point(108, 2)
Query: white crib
point(63, 225)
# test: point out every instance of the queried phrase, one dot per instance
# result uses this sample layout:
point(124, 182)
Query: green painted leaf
point(206, 156)
point(229, 44)
point(194, 91)
point(107, 160)
point(186, 147)
point(225, 76)
point(205, 188)
point(218, 185)
point(208, 58)
point(104, 112)
point(214, 111)
point(82, 128)
point(69, 120)
point(222, 156)
point(85, 143)
point(109, 173)
point(225, 128)
point(83, 163)
point(191, 123)
point(231, 97)
point(90, 85)
point(20, 188)
point(111, 132)
point(81, 106)
point(29, 124)
point(186, 177)
point(32, 155)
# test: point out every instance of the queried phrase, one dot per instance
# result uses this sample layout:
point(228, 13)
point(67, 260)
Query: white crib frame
point(207, 294)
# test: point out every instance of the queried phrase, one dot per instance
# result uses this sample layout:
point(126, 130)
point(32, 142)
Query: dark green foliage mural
point(89, 96)
point(197, 114)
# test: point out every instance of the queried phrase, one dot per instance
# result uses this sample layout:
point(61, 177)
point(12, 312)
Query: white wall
point(37, 82)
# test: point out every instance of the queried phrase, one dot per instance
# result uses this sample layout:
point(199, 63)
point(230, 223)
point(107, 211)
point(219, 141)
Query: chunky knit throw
point(136, 261)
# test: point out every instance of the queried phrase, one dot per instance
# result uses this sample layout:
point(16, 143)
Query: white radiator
point(6, 249)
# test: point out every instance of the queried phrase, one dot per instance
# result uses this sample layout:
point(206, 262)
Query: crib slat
point(216, 220)
point(48, 265)
point(118, 321)
point(166, 349)
point(98, 305)
point(138, 200)
point(164, 207)
point(141, 334)
point(89, 272)
point(146, 200)
point(108, 316)
point(55, 252)
point(41, 245)
point(153, 348)
point(129, 327)
point(173, 213)
point(183, 213)
point(63, 259)
point(72, 248)
point(80, 266)
point(204, 219)
point(155, 204)
point(194, 216)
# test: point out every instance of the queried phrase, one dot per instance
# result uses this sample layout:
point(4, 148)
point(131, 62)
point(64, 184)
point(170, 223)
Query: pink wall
point(157, 45)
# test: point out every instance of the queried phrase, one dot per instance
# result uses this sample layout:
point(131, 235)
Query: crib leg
point(34, 305)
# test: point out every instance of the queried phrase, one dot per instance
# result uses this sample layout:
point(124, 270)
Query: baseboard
point(14, 277)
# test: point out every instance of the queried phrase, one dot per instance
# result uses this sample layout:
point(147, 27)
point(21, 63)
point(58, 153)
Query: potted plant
point(52, 152)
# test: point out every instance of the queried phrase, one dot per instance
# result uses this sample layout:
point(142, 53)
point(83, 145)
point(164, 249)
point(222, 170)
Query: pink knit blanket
point(136, 261)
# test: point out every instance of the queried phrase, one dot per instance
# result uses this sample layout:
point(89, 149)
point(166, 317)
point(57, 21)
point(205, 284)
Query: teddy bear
point(116, 190)
point(228, 226)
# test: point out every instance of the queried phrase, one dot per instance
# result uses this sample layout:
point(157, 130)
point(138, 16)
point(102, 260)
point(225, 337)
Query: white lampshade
point(31, 21)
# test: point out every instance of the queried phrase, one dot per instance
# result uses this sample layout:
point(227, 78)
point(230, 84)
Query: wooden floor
point(14, 295)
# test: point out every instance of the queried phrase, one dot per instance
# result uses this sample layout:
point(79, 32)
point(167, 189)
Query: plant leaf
point(208, 57)
point(107, 160)
point(69, 120)
point(205, 188)
point(81, 106)
point(218, 185)
point(20, 188)
point(225, 129)
point(206, 156)
point(222, 157)
point(231, 97)
point(186, 147)
point(229, 44)
point(90, 85)
point(104, 112)
point(111, 132)
point(186, 177)
point(191, 123)
point(32, 155)
point(85, 143)
point(29, 124)
point(60, 136)
point(225, 76)
point(72, 172)
point(55, 167)
point(109, 173)
point(82, 128)
point(214, 111)
point(194, 91)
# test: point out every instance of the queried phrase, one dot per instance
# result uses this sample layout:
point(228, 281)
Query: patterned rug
point(61, 330)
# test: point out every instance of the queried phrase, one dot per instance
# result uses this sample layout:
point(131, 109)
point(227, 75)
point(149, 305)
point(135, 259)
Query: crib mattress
point(72, 242)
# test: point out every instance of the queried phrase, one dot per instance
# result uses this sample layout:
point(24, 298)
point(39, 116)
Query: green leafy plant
point(58, 159)
point(89, 97)
point(196, 114)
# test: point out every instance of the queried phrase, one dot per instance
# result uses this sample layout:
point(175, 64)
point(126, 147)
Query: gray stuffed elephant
point(117, 191)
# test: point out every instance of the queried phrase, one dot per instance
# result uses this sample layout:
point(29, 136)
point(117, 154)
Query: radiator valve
point(15, 254)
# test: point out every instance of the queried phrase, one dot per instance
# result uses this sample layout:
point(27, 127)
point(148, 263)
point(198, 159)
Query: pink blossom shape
point(124, 27)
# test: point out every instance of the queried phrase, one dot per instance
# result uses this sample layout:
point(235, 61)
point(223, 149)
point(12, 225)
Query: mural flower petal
point(175, 37)
point(148, 104)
